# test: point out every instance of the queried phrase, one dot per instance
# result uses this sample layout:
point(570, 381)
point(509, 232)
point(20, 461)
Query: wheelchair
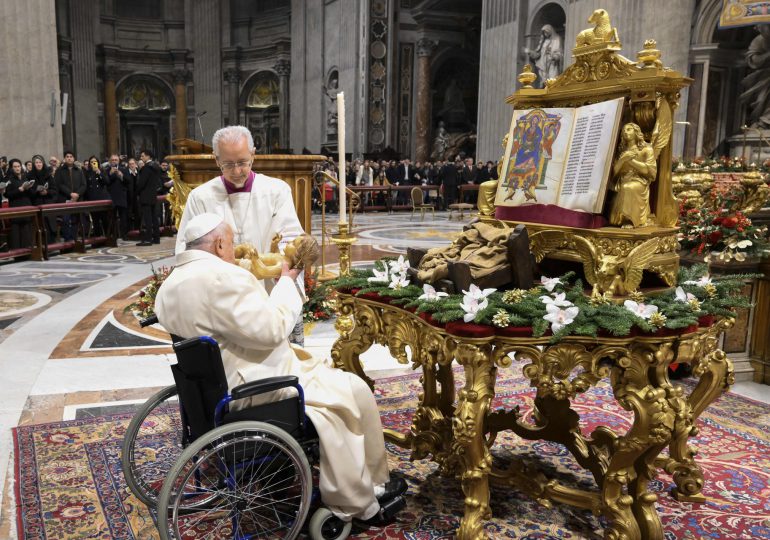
point(215, 473)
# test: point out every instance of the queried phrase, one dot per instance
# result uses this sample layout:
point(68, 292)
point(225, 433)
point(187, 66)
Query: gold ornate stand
point(457, 432)
point(344, 239)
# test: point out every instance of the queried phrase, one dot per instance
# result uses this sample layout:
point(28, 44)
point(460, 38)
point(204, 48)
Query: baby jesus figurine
point(300, 253)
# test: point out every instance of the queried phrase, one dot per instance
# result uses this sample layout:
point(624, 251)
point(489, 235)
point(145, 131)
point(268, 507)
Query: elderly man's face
point(235, 161)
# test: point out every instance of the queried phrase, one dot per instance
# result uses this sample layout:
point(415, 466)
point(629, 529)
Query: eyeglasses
point(229, 165)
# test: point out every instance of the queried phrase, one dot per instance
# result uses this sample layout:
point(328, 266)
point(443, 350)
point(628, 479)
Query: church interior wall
point(499, 61)
point(26, 89)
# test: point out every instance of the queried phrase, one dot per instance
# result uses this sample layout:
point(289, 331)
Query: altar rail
point(43, 216)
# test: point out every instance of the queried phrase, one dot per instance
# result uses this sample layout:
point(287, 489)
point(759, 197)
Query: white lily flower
point(640, 309)
point(738, 244)
point(549, 283)
point(476, 293)
point(380, 276)
point(556, 300)
point(702, 282)
point(398, 281)
point(400, 266)
point(558, 317)
point(682, 296)
point(430, 294)
point(472, 306)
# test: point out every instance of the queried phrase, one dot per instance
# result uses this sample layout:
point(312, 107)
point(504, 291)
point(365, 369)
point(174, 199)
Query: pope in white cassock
point(207, 293)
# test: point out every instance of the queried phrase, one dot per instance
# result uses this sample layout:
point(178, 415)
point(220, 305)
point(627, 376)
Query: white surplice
point(205, 295)
point(255, 216)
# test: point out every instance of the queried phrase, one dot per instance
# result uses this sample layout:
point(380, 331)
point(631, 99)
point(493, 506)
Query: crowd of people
point(448, 175)
point(132, 184)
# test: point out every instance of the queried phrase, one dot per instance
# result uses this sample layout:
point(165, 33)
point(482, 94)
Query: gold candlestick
point(344, 240)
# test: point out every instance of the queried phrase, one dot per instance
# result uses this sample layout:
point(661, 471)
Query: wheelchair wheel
point(152, 444)
point(254, 477)
point(324, 525)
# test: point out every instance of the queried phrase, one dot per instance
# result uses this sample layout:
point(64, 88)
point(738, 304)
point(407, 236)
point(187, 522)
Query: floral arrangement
point(145, 306)
point(724, 164)
point(557, 305)
point(321, 300)
point(719, 227)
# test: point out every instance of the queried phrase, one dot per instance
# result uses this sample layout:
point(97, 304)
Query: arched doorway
point(455, 80)
point(545, 50)
point(144, 105)
point(261, 101)
point(718, 66)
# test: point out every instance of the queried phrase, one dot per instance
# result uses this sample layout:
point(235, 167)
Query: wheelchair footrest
point(389, 509)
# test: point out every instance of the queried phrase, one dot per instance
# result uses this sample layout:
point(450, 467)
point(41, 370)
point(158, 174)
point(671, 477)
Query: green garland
point(521, 308)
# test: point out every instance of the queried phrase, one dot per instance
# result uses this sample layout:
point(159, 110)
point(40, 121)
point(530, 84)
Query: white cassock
point(255, 216)
point(205, 295)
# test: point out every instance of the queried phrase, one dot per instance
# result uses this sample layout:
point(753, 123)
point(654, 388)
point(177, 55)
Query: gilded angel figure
point(634, 170)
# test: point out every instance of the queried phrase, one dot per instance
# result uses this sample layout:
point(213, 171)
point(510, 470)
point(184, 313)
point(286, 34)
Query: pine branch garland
point(718, 297)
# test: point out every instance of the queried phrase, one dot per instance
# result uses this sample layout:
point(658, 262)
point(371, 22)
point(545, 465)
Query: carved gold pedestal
point(457, 432)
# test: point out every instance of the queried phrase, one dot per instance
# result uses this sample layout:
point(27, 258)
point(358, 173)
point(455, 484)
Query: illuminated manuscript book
point(560, 156)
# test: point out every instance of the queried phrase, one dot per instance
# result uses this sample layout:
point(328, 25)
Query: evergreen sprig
point(720, 298)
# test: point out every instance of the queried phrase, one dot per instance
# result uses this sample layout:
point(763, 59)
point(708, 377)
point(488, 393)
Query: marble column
point(84, 17)
point(28, 56)
point(180, 100)
point(233, 78)
point(283, 69)
point(501, 42)
point(65, 84)
point(110, 110)
point(204, 39)
point(425, 48)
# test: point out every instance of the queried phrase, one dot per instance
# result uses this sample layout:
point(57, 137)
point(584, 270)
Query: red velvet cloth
point(428, 318)
point(550, 214)
point(514, 331)
point(469, 330)
point(706, 321)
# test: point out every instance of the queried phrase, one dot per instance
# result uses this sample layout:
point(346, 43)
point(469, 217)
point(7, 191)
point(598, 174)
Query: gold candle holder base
point(343, 239)
point(326, 275)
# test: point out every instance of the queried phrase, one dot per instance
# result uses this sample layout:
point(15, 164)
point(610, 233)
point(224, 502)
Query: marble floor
point(68, 349)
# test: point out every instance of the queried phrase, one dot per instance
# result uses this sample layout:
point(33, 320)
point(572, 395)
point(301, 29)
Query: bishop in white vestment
point(258, 210)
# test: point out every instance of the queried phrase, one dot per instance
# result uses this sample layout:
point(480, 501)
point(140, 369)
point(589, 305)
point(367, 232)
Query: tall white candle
point(341, 162)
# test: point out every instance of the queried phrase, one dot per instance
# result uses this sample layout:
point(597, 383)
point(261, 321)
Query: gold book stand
point(651, 93)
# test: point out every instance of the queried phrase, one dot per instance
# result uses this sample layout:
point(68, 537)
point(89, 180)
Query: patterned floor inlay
point(5, 323)
point(17, 302)
point(25, 279)
point(111, 336)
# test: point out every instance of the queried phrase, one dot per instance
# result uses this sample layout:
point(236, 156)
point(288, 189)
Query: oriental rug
point(69, 484)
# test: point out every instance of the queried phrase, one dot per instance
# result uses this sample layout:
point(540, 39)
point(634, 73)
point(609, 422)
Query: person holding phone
point(20, 192)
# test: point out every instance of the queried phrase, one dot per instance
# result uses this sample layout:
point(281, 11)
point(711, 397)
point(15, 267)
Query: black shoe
point(156, 241)
point(394, 487)
point(384, 517)
point(144, 244)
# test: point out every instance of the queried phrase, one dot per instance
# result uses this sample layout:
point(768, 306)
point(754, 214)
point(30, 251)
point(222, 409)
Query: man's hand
point(292, 273)
point(74, 197)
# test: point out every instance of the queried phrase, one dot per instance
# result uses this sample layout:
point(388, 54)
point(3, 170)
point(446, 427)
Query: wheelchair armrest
point(149, 321)
point(265, 385)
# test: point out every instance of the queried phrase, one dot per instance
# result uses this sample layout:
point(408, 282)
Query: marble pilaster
point(84, 17)
point(181, 76)
point(204, 41)
point(425, 48)
point(31, 79)
point(110, 110)
point(283, 69)
point(233, 79)
point(501, 40)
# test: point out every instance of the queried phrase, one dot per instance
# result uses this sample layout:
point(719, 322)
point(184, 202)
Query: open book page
point(588, 162)
point(536, 156)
